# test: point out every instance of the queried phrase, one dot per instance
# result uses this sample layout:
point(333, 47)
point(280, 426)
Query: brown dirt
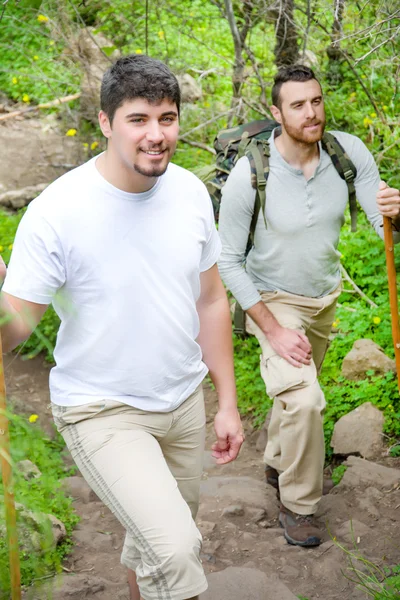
point(252, 538)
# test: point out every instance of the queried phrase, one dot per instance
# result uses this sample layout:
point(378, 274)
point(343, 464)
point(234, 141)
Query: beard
point(151, 172)
point(301, 135)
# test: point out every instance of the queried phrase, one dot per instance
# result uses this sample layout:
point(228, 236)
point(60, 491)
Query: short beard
point(298, 134)
point(153, 172)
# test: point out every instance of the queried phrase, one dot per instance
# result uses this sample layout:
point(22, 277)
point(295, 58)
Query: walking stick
point(394, 310)
point(9, 503)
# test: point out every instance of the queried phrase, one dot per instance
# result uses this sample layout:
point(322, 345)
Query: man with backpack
point(292, 198)
point(125, 247)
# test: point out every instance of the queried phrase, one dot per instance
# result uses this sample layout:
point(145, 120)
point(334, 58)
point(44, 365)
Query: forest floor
point(244, 552)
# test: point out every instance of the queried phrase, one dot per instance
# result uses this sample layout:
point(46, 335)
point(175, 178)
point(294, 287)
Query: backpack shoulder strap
point(346, 170)
point(258, 154)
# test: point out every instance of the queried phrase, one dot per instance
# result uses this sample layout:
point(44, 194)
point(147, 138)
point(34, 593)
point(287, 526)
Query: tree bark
point(286, 47)
point(333, 51)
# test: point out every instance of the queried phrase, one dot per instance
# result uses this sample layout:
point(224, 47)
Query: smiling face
point(301, 112)
point(142, 137)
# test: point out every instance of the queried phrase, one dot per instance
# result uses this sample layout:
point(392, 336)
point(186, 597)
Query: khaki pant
point(146, 467)
point(295, 446)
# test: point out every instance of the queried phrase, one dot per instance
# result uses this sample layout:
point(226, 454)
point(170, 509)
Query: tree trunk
point(333, 51)
point(286, 48)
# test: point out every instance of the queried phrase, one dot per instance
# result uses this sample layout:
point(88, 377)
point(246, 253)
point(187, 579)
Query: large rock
point(363, 473)
point(239, 583)
point(190, 89)
point(366, 356)
point(71, 586)
point(359, 432)
point(77, 487)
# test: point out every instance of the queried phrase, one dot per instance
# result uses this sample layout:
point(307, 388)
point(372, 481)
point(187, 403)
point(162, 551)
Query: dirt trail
point(244, 552)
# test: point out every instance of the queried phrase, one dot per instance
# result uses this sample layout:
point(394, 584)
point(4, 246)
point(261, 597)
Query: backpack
point(251, 140)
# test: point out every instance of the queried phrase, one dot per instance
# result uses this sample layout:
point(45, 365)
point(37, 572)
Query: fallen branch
point(353, 310)
point(355, 286)
point(19, 198)
point(51, 104)
point(197, 145)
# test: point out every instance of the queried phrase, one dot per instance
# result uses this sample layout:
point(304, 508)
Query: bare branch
point(197, 145)
point(355, 286)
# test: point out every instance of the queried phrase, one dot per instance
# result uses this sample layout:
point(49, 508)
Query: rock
point(206, 528)
point(97, 54)
point(58, 528)
point(366, 356)
point(71, 587)
point(95, 540)
point(351, 531)
point(237, 583)
point(236, 510)
point(369, 507)
point(359, 432)
point(28, 470)
point(263, 435)
point(190, 89)
point(77, 487)
point(256, 514)
point(361, 473)
point(37, 532)
point(241, 490)
point(210, 547)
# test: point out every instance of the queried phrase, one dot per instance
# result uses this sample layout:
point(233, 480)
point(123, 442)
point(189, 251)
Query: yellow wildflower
point(33, 418)
point(367, 121)
point(14, 80)
point(353, 95)
point(334, 324)
point(42, 18)
point(25, 98)
point(71, 132)
point(94, 145)
point(385, 107)
point(85, 145)
point(161, 35)
point(363, 77)
point(376, 320)
point(36, 57)
point(10, 247)
point(373, 115)
point(138, 51)
point(51, 43)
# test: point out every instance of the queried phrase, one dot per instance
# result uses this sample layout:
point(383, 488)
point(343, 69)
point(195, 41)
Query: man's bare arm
point(18, 318)
point(290, 344)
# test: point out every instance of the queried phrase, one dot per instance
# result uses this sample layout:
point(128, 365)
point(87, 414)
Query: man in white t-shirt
point(125, 248)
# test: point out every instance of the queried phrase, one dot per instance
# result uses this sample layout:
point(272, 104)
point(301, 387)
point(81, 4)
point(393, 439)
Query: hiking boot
point(300, 530)
point(272, 478)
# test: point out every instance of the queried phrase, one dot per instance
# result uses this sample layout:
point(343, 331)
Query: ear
point(276, 113)
point(105, 124)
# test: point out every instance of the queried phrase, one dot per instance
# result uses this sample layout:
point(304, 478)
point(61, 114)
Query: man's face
point(302, 112)
point(143, 136)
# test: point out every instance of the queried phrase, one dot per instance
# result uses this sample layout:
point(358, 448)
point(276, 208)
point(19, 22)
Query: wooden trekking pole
point(9, 503)
point(394, 309)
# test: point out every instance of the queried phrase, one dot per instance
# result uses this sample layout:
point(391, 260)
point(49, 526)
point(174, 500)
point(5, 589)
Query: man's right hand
point(290, 344)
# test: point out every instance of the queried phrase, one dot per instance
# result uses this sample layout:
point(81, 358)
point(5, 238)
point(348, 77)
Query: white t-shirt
point(123, 273)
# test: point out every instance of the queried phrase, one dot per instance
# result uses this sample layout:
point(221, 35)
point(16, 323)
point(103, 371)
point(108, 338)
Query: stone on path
point(28, 469)
point(362, 473)
point(239, 583)
point(77, 487)
point(73, 587)
point(365, 356)
point(242, 490)
point(359, 432)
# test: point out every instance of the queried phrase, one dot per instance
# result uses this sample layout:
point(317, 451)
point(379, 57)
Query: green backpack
point(251, 140)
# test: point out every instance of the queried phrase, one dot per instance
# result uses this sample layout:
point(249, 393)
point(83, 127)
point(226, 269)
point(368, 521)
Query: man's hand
point(388, 201)
point(290, 344)
point(229, 431)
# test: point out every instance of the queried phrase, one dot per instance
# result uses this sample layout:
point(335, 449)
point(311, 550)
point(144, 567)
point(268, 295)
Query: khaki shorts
point(146, 467)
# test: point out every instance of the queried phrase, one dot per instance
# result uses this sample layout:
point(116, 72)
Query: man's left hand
point(230, 437)
point(388, 200)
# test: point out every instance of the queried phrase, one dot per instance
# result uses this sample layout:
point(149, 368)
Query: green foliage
point(337, 473)
point(41, 495)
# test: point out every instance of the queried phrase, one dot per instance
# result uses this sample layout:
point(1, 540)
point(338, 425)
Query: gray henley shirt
point(297, 251)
